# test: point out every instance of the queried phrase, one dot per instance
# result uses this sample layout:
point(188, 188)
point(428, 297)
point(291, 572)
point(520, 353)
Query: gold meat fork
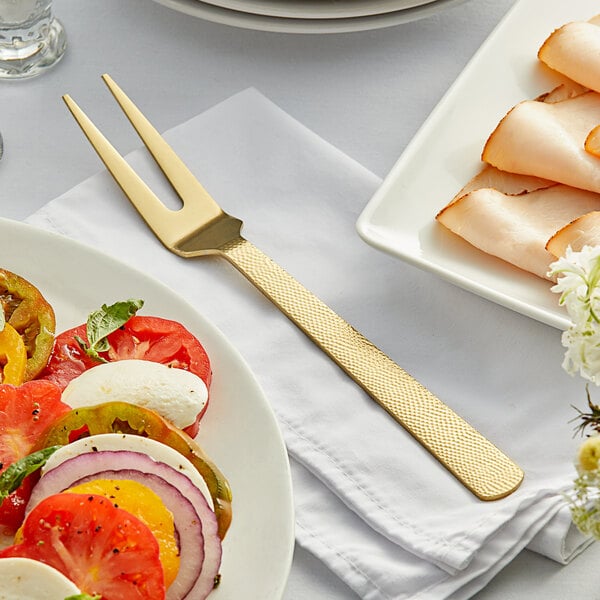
point(201, 227)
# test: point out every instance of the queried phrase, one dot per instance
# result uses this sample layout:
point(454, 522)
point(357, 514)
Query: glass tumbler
point(31, 39)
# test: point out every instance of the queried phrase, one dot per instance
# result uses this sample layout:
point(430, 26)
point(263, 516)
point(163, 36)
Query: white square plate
point(445, 154)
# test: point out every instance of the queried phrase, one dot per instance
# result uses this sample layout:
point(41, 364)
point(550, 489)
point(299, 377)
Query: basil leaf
point(83, 596)
point(13, 477)
point(104, 321)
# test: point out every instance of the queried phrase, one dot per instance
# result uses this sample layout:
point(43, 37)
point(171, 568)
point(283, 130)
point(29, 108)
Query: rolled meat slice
point(547, 139)
point(573, 51)
point(514, 221)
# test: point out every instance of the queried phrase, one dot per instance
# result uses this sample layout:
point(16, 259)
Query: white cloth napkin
point(371, 503)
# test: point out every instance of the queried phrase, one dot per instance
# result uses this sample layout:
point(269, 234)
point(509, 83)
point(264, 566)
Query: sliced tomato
point(103, 549)
point(12, 509)
point(13, 356)
point(160, 340)
point(147, 338)
point(148, 507)
point(31, 315)
point(68, 359)
point(26, 412)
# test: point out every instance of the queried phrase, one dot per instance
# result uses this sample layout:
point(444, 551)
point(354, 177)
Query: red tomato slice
point(25, 413)
point(12, 509)
point(147, 338)
point(101, 548)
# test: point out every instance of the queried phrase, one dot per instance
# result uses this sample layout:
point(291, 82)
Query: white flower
point(578, 282)
point(583, 353)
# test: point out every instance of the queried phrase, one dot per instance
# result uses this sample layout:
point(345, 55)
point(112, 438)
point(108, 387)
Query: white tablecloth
point(367, 93)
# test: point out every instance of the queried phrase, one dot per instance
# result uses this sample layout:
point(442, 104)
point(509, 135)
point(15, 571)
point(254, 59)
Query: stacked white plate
point(309, 16)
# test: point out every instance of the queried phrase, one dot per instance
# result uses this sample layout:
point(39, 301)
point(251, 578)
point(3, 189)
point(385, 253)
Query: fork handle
point(473, 459)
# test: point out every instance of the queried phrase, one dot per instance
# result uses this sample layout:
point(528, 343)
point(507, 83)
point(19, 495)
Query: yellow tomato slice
point(147, 506)
point(13, 356)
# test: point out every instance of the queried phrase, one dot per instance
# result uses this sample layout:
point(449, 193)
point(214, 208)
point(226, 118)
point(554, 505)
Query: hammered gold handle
point(473, 459)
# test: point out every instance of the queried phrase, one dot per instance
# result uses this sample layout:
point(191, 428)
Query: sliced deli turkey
point(539, 189)
point(573, 50)
point(547, 139)
point(513, 216)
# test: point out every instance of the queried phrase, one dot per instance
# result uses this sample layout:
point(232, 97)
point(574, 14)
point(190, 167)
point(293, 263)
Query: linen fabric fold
point(376, 507)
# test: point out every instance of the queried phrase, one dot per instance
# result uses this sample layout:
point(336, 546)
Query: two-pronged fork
point(201, 227)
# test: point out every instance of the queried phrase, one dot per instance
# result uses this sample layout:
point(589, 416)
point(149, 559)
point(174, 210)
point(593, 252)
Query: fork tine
point(152, 210)
point(188, 188)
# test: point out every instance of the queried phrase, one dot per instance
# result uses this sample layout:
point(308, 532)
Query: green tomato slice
point(32, 316)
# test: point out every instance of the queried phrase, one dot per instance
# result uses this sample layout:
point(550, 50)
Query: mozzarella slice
point(178, 395)
point(27, 579)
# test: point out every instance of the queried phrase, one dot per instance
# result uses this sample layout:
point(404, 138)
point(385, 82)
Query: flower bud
point(589, 454)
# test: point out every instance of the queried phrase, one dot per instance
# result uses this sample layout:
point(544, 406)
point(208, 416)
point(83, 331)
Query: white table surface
point(367, 93)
